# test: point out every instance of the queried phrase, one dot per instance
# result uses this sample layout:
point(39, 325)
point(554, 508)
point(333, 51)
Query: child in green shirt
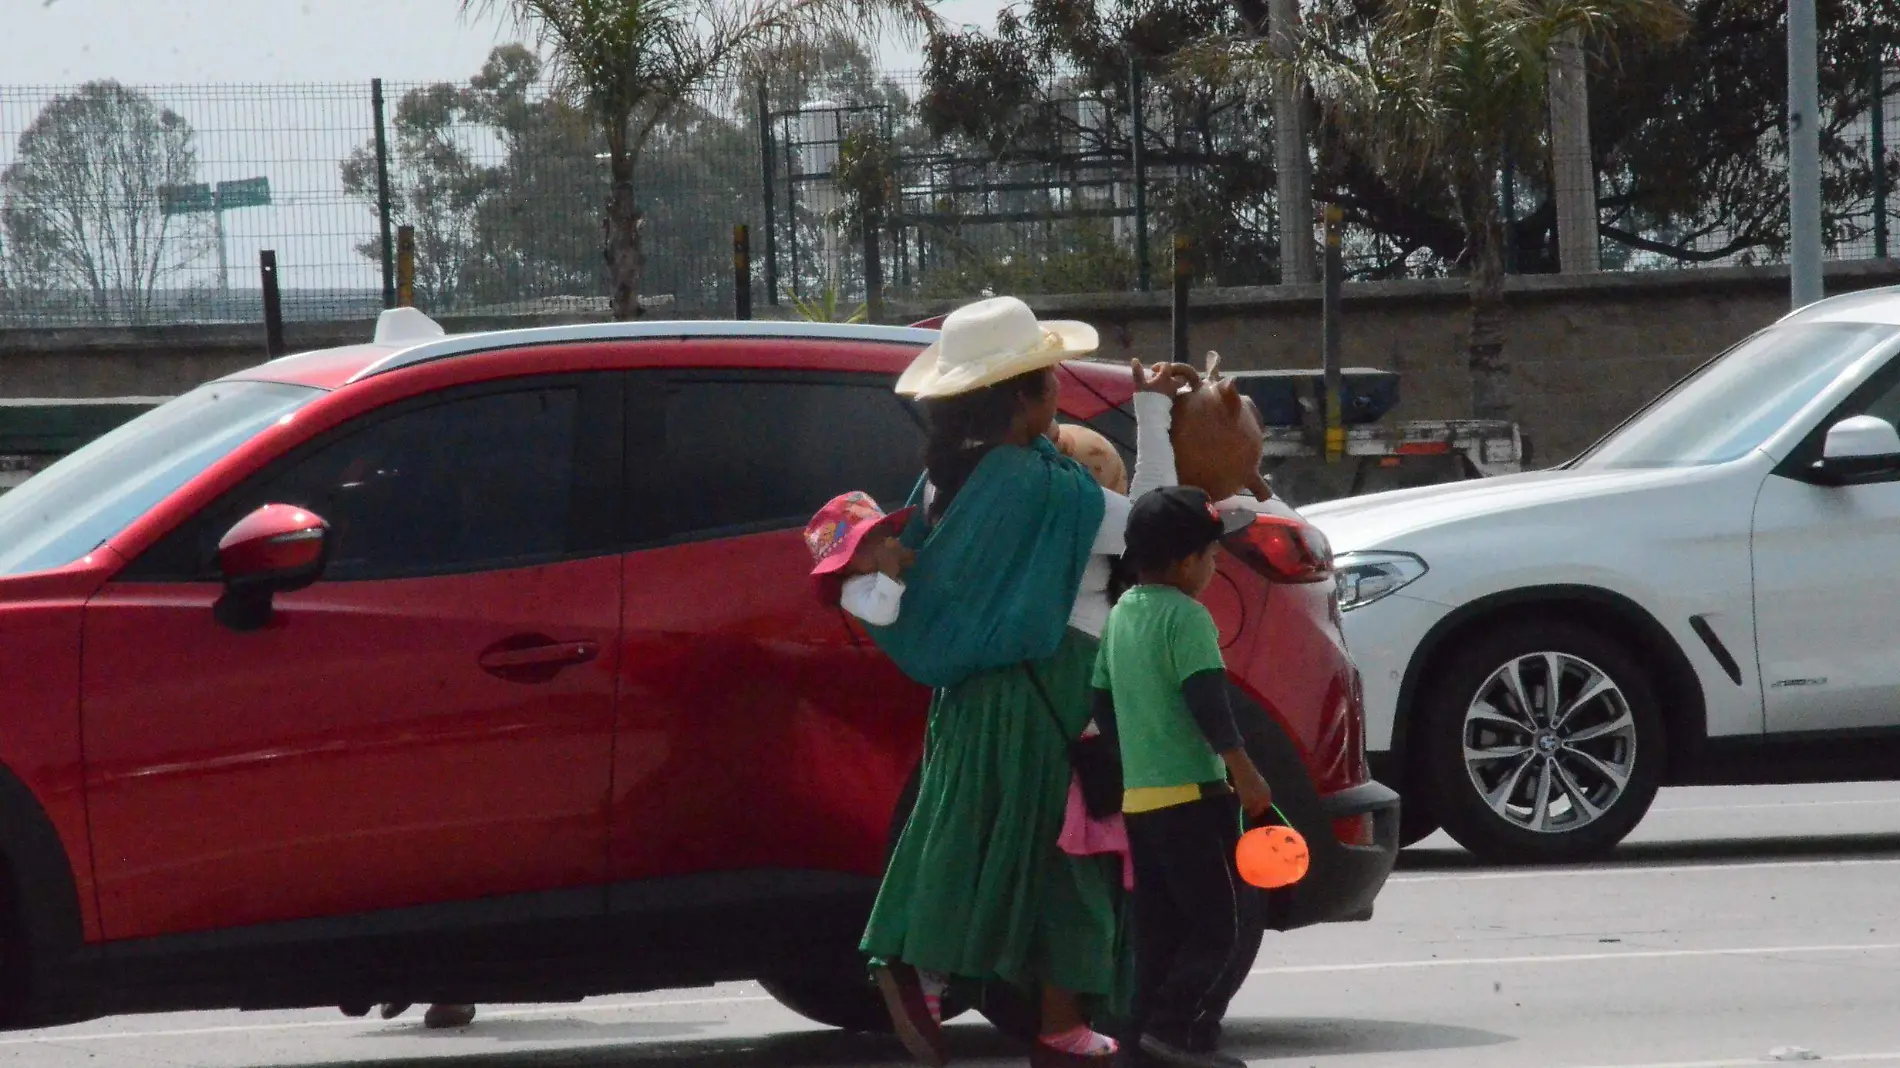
point(1161, 691)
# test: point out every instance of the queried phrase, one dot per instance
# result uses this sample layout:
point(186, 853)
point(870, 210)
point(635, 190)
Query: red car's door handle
point(534, 658)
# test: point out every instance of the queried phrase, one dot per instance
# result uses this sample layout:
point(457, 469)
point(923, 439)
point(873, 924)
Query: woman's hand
point(1166, 379)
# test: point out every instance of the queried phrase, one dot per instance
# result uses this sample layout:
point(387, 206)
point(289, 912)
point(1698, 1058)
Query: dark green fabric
point(995, 579)
point(977, 886)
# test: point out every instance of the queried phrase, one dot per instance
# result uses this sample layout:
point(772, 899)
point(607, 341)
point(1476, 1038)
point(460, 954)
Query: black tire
point(848, 1002)
point(1603, 814)
point(1417, 821)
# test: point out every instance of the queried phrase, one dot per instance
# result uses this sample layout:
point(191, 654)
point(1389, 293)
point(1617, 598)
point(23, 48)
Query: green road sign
point(244, 193)
point(201, 199)
point(186, 199)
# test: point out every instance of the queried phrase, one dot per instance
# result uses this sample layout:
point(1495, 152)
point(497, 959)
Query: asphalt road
point(1735, 924)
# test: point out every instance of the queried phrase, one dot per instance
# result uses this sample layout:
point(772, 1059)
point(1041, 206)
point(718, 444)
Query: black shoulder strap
point(1047, 705)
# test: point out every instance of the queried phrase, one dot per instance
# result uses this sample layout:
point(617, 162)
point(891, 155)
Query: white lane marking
point(307, 1025)
point(1838, 1058)
point(1641, 869)
point(1663, 810)
point(1578, 958)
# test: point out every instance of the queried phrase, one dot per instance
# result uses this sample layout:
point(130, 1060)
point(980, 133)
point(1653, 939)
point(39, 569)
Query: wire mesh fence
point(128, 206)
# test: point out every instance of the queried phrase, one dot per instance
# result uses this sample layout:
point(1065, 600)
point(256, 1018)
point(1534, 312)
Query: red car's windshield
point(72, 507)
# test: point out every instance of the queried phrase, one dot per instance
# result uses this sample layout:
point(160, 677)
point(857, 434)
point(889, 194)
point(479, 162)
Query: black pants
point(1197, 926)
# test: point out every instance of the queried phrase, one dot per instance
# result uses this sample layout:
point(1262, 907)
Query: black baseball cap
point(1174, 523)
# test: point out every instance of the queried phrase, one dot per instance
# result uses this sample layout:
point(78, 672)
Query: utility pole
point(1572, 169)
point(1804, 157)
point(1290, 158)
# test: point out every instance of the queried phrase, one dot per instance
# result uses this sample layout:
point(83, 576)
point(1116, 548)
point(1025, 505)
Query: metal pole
point(1138, 153)
point(1510, 215)
point(382, 193)
point(771, 213)
point(791, 213)
point(742, 271)
point(873, 270)
point(1182, 275)
point(1804, 157)
point(273, 305)
point(1877, 141)
point(224, 266)
point(406, 267)
point(1335, 271)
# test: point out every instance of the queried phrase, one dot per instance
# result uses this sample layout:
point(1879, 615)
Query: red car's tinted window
point(754, 452)
point(465, 484)
point(491, 476)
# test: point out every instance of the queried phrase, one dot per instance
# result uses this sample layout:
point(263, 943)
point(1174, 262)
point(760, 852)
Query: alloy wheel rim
point(1549, 742)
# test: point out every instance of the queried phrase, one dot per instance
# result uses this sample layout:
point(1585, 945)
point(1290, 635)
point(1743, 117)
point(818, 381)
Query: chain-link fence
point(123, 205)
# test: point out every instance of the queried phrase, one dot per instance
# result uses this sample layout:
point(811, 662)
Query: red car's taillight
point(1284, 549)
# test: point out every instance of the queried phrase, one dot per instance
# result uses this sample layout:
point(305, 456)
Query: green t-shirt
point(1157, 638)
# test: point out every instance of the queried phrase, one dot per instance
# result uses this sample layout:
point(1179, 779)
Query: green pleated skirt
point(977, 886)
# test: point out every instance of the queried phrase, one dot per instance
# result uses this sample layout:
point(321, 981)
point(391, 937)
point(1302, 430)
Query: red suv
point(485, 668)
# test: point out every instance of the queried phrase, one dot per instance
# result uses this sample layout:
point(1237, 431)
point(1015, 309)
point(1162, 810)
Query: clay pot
point(1218, 438)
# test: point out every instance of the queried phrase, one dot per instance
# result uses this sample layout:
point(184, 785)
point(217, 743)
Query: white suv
point(1710, 594)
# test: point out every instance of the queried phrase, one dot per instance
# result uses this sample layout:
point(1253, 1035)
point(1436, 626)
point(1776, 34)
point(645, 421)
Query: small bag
point(1097, 764)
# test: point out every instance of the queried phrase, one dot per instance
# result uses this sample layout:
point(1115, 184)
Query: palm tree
point(1441, 93)
point(631, 64)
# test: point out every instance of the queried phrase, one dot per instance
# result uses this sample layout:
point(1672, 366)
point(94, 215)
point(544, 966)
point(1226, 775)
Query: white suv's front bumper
point(1382, 637)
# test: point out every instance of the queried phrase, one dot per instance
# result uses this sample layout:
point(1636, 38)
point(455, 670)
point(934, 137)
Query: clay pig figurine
point(1095, 453)
point(1218, 437)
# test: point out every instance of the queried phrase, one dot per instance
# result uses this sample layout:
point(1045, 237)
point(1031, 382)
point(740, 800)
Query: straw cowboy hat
point(992, 341)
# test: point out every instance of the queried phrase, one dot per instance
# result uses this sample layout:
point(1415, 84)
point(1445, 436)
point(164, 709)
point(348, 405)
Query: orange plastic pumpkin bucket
point(1271, 857)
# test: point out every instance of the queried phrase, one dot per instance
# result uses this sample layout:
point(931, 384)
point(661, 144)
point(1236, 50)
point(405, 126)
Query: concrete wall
point(1585, 350)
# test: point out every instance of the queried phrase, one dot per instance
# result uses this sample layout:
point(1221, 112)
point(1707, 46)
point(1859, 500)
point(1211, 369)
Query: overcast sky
point(151, 42)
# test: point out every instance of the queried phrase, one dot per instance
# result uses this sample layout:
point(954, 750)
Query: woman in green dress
point(998, 614)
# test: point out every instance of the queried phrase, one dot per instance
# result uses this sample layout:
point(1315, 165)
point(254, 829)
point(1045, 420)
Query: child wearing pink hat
point(859, 563)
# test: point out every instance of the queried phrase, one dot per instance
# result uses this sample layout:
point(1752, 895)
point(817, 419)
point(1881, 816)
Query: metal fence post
point(791, 214)
point(873, 270)
point(1183, 274)
point(1139, 158)
point(771, 214)
point(1510, 215)
point(406, 267)
point(1335, 272)
point(1877, 141)
point(742, 271)
point(273, 304)
point(382, 192)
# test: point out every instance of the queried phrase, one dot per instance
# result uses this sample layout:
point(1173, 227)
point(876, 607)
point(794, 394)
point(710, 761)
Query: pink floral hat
point(834, 534)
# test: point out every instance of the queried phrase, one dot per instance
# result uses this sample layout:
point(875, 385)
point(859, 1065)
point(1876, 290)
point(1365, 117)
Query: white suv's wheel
point(1545, 742)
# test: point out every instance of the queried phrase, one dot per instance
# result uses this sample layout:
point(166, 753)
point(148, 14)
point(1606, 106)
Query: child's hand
point(1166, 379)
point(1256, 797)
point(892, 558)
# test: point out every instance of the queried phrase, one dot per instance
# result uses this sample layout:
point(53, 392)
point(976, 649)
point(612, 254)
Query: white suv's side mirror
point(1859, 449)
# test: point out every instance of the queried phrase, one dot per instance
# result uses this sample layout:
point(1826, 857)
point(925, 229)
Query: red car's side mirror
point(276, 549)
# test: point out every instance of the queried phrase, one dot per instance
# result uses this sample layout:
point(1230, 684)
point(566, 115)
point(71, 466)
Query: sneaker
point(910, 1016)
point(444, 1017)
point(1175, 1057)
point(393, 1009)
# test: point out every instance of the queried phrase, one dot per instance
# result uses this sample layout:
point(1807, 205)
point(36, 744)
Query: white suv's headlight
point(1368, 576)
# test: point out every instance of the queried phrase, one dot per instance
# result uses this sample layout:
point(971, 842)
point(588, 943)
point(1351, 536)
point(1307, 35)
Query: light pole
point(1804, 157)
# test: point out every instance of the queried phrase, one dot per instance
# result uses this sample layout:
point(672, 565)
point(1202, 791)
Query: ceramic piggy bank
point(1218, 437)
point(1095, 453)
